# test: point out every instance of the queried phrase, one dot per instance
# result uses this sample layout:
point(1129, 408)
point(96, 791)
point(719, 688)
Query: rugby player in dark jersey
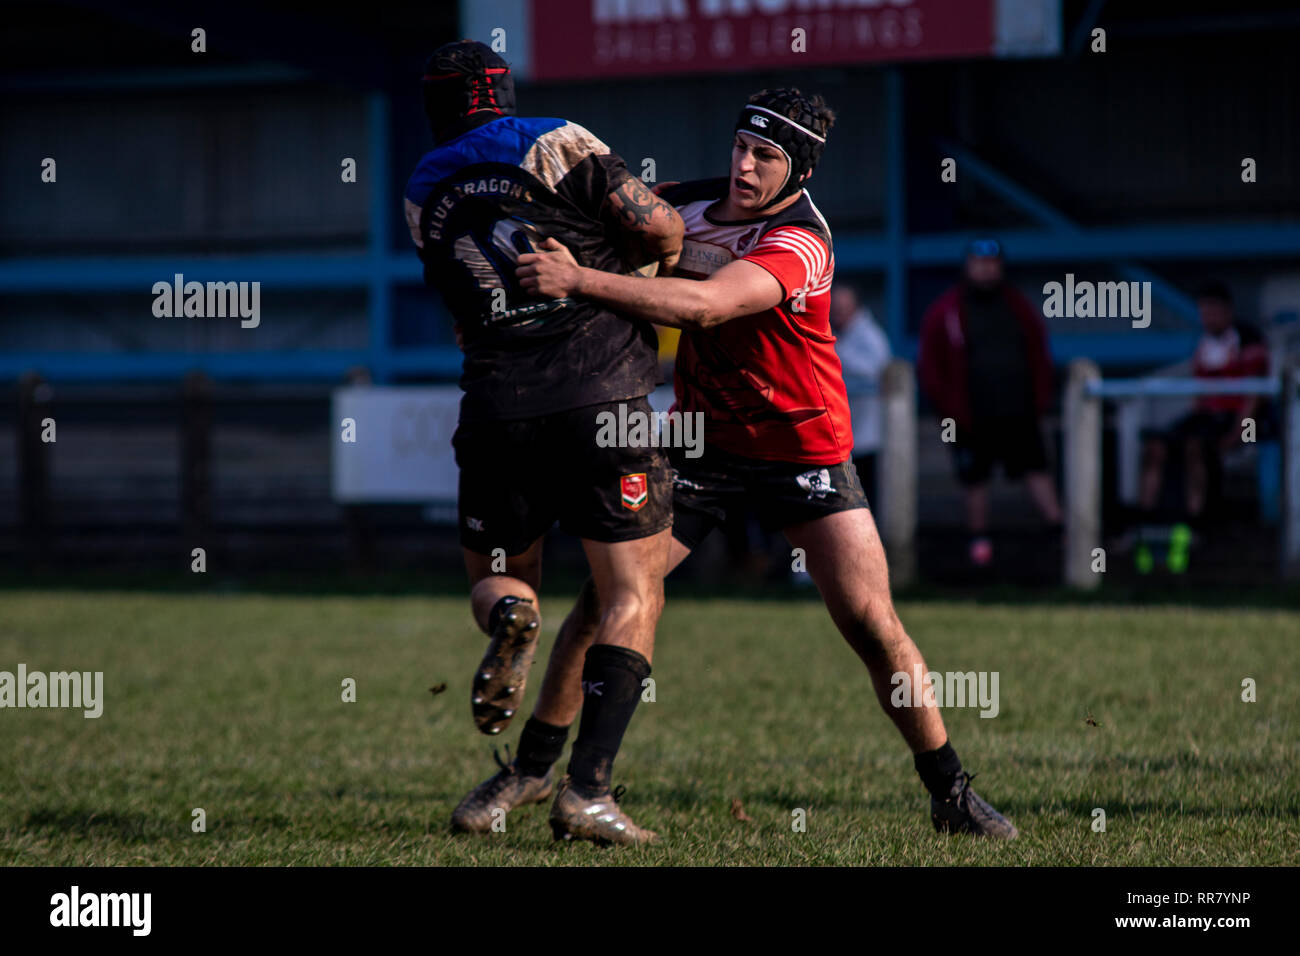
point(757, 357)
point(538, 370)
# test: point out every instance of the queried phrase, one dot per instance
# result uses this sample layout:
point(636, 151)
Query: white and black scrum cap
point(802, 147)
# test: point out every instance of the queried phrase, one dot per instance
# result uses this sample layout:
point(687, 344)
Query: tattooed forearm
point(649, 225)
point(635, 205)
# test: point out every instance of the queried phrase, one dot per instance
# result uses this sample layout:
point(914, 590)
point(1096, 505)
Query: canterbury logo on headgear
point(756, 119)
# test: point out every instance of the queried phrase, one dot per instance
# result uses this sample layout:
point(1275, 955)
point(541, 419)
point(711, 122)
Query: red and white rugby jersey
point(769, 384)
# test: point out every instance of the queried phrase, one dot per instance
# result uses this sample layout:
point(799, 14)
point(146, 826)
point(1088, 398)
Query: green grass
point(231, 702)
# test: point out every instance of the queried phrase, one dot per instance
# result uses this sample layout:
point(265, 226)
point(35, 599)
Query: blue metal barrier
point(1181, 387)
point(381, 270)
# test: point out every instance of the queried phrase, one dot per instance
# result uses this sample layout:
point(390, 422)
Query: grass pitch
point(231, 702)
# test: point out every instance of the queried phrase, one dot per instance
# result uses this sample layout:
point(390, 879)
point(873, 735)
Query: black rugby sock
point(540, 745)
point(611, 685)
point(938, 769)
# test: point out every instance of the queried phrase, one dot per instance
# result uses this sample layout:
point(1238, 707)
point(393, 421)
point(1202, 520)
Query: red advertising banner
point(585, 39)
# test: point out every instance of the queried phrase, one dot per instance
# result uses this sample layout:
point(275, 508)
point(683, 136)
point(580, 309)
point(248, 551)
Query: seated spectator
point(1229, 348)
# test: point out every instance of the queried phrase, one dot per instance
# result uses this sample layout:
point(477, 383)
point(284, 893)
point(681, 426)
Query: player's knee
point(633, 608)
point(500, 585)
point(876, 628)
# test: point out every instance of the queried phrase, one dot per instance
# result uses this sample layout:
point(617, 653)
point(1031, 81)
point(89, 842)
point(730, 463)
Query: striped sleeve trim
point(810, 250)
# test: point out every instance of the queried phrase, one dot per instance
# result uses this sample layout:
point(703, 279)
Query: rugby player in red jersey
point(751, 294)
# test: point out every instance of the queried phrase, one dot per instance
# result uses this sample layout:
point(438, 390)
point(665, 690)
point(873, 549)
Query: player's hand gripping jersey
point(770, 385)
point(478, 201)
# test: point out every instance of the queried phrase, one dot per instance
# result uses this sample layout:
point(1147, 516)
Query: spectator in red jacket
point(985, 364)
point(1229, 348)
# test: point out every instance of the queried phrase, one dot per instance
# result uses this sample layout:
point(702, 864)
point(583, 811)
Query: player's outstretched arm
point(654, 224)
point(737, 289)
